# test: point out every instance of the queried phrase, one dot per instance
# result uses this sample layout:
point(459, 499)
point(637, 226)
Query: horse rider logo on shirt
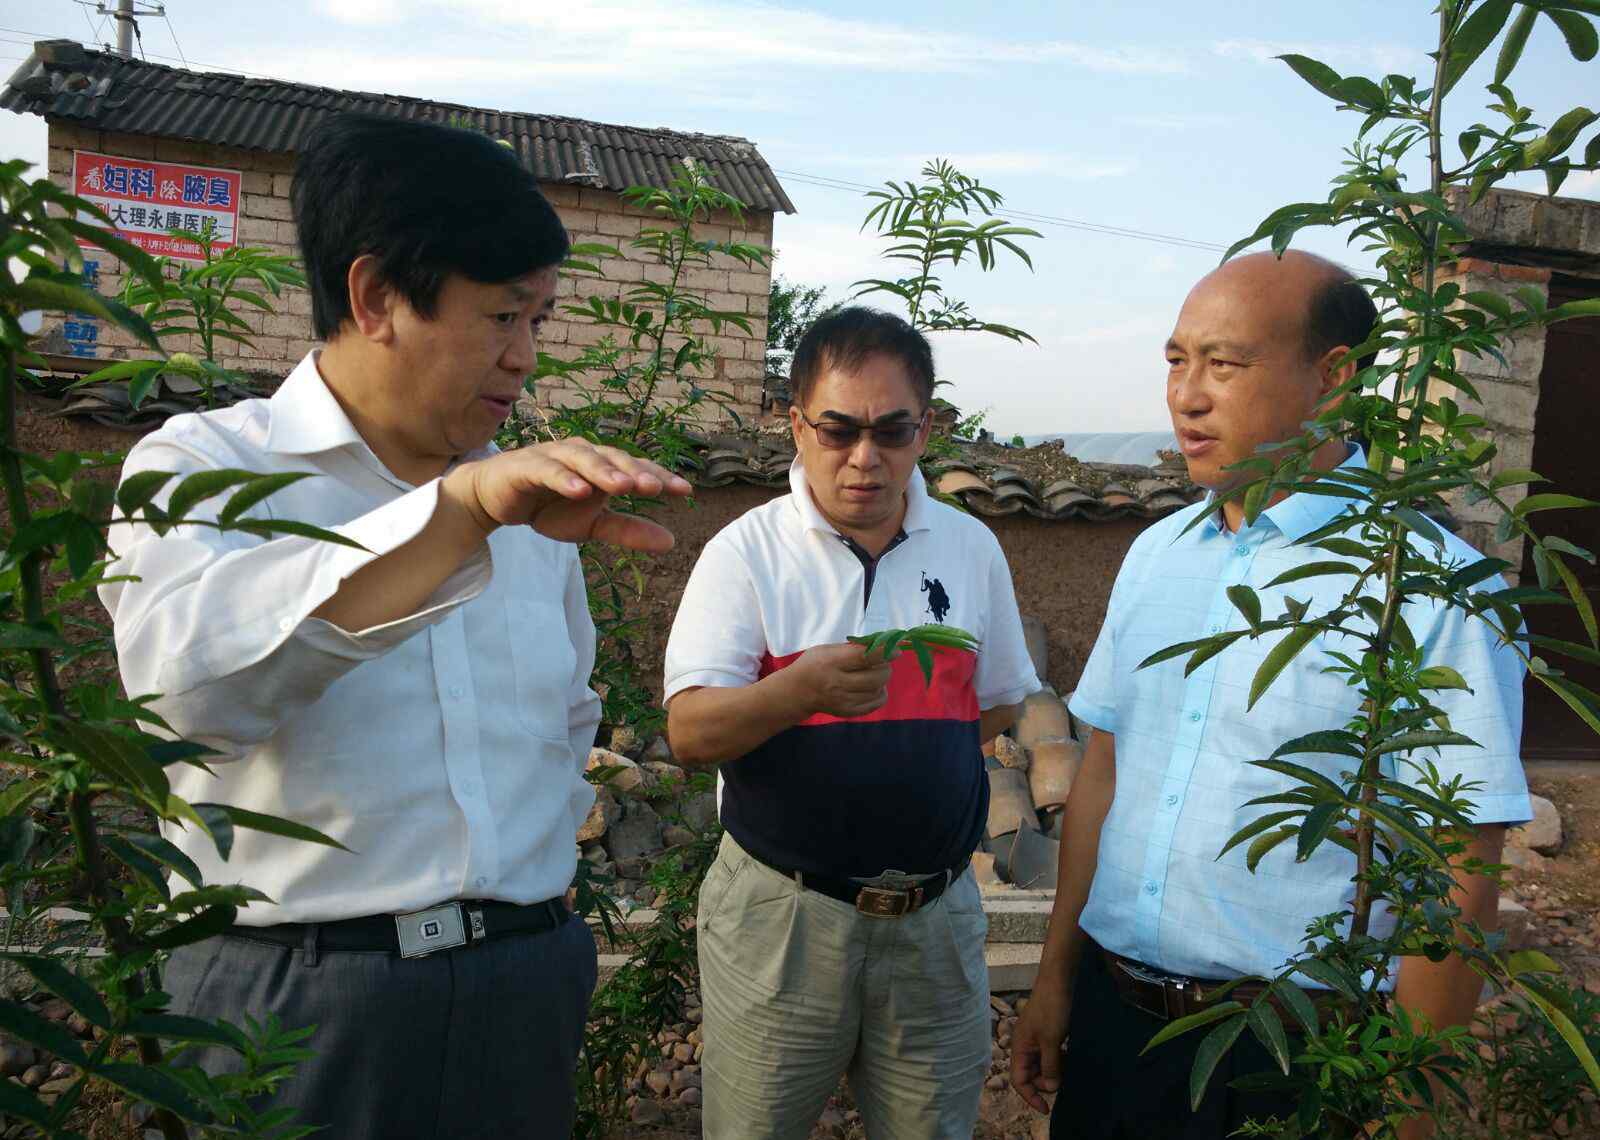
point(938, 600)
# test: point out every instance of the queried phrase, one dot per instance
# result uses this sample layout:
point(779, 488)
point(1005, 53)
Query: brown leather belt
point(1171, 996)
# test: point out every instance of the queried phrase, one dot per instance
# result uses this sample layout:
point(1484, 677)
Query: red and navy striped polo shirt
point(903, 787)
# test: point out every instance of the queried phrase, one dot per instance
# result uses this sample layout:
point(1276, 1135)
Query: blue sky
point(1166, 117)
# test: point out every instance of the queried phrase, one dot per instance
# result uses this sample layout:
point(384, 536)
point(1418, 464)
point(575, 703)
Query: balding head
point(1324, 297)
point(1255, 352)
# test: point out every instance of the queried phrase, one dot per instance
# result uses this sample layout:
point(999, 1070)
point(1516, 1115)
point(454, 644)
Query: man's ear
point(796, 424)
point(372, 301)
point(1334, 374)
point(924, 431)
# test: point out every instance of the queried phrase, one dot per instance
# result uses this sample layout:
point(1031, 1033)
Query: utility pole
point(124, 16)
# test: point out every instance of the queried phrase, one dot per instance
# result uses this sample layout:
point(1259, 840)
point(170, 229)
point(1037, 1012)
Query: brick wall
point(282, 338)
point(1517, 240)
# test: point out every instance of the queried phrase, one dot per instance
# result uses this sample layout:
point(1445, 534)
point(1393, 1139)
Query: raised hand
point(564, 490)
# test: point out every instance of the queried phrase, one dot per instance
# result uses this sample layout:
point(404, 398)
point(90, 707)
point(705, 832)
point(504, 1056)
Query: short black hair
point(1340, 313)
point(426, 200)
point(846, 337)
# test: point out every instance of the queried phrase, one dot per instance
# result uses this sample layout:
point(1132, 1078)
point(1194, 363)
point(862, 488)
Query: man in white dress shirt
point(423, 700)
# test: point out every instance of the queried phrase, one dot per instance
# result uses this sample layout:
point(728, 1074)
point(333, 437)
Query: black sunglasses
point(836, 435)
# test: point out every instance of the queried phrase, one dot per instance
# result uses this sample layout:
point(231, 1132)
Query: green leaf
point(20, 1104)
point(154, 1086)
point(1491, 302)
point(117, 754)
point(1211, 1051)
point(1318, 822)
point(139, 490)
point(40, 293)
point(1419, 524)
point(1442, 677)
point(1589, 307)
point(1563, 1025)
point(1424, 738)
point(1521, 962)
point(1330, 976)
point(1182, 1025)
point(1313, 570)
point(924, 660)
point(1278, 658)
point(206, 924)
point(205, 485)
point(55, 977)
point(1550, 502)
point(1256, 826)
point(1581, 39)
point(271, 528)
point(1263, 844)
point(14, 636)
point(1516, 39)
point(1577, 698)
point(163, 851)
point(1324, 78)
point(1328, 790)
point(1332, 740)
point(252, 493)
point(1295, 998)
point(171, 1027)
point(1268, 1029)
point(271, 825)
point(52, 1036)
point(1580, 598)
point(1245, 601)
point(1472, 38)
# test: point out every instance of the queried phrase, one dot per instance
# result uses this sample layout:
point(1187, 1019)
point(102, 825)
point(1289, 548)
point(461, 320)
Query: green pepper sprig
point(922, 640)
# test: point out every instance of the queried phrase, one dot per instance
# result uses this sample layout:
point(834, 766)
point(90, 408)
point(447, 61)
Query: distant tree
point(791, 309)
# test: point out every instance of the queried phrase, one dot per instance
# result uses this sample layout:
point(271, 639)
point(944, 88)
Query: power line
point(830, 183)
point(173, 32)
point(818, 180)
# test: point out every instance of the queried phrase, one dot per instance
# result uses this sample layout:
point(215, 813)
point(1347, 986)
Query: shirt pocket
point(542, 665)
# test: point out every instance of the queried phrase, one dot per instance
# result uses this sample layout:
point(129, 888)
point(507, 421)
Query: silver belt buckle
point(425, 932)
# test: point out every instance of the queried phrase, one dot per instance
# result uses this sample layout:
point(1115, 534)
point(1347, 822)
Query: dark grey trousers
point(476, 1042)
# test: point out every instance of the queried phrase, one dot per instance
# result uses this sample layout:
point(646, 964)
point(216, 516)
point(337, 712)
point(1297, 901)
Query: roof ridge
point(247, 79)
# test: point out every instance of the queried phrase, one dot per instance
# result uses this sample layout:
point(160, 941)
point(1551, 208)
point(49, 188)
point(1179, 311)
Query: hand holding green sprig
point(921, 640)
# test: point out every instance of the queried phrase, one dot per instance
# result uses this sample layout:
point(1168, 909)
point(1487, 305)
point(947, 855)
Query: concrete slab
point(1012, 966)
point(1013, 920)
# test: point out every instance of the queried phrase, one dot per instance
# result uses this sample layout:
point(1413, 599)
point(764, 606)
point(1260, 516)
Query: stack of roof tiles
point(1104, 490)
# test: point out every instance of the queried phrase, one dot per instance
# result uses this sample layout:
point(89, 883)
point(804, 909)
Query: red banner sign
point(147, 201)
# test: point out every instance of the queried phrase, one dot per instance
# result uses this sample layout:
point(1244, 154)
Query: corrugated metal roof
point(61, 80)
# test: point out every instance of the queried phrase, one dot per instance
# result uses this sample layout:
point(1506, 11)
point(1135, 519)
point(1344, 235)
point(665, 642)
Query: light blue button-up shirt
point(1183, 744)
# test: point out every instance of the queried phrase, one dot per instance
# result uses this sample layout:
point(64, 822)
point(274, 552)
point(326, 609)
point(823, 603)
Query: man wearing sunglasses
point(840, 928)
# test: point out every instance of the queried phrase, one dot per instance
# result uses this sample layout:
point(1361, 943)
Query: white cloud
point(645, 41)
point(1172, 121)
point(23, 136)
point(830, 254)
point(1379, 58)
point(988, 164)
point(1583, 185)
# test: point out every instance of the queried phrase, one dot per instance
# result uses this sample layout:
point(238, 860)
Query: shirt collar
point(919, 508)
point(305, 418)
point(1298, 515)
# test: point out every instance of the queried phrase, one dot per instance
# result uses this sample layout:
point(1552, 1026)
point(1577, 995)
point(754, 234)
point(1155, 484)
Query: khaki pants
point(799, 988)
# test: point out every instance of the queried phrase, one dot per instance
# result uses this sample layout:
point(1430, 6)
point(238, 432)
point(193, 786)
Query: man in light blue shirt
point(1142, 893)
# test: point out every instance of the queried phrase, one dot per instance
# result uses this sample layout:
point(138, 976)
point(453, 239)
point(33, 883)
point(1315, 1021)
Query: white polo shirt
point(904, 787)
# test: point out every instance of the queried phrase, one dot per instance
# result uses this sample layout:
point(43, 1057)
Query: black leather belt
point(1172, 996)
point(460, 922)
point(887, 896)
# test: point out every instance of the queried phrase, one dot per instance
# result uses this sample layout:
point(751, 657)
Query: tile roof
point(988, 480)
point(985, 486)
point(63, 81)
